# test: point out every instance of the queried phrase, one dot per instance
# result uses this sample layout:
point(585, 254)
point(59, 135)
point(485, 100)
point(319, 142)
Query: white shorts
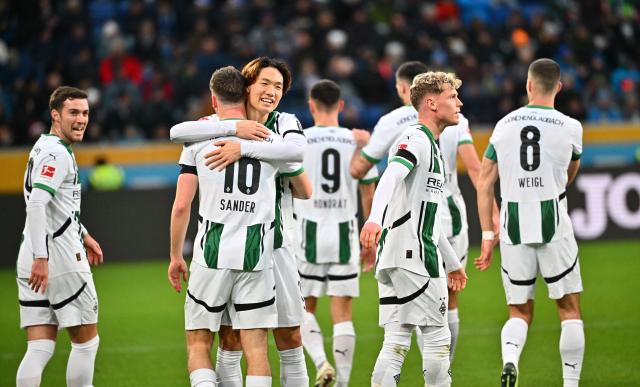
point(410, 298)
point(249, 298)
point(289, 301)
point(70, 300)
point(556, 261)
point(460, 244)
point(333, 279)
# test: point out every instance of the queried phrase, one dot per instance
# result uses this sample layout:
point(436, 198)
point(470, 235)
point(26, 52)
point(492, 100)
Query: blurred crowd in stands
point(146, 63)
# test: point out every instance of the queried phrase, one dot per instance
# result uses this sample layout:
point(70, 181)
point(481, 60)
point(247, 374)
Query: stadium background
point(146, 66)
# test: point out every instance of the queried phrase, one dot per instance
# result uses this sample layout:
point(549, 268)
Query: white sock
point(228, 368)
point(35, 359)
point(454, 328)
point(81, 363)
point(397, 340)
point(293, 368)
point(513, 337)
point(344, 344)
point(312, 339)
point(435, 356)
point(571, 351)
point(203, 377)
point(258, 381)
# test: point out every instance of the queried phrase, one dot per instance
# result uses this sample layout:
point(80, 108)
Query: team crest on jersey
point(47, 171)
point(402, 146)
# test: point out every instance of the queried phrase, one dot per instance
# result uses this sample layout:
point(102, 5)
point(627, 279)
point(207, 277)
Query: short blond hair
point(431, 83)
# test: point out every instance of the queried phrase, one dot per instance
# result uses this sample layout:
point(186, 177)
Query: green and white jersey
point(533, 147)
point(328, 221)
point(285, 124)
point(411, 227)
point(52, 167)
point(454, 211)
point(387, 130)
point(236, 208)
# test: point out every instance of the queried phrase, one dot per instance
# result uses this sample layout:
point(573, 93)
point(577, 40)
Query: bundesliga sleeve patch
point(47, 171)
point(402, 146)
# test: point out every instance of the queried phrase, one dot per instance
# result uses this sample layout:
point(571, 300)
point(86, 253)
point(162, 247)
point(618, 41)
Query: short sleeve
point(187, 160)
point(371, 177)
point(464, 133)
point(379, 143)
point(50, 169)
point(290, 169)
point(289, 124)
point(408, 150)
point(576, 142)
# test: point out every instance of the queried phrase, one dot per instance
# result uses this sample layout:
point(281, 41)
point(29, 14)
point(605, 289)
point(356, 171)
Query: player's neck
point(231, 112)
point(434, 127)
point(325, 119)
point(257, 116)
point(55, 131)
point(542, 100)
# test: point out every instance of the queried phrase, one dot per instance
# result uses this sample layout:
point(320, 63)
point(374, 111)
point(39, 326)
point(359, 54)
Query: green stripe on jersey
point(292, 174)
point(369, 181)
point(277, 222)
point(462, 142)
point(456, 219)
point(369, 158)
point(212, 245)
point(271, 121)
point(435, 158)
point(490, 153)
point(45, 188)
point(252, 250)
point(513, 225)
point(383, 236)
point(310, 234)
point(345, 242)
point(429, 247)
point(402, 161)
point(548, 217)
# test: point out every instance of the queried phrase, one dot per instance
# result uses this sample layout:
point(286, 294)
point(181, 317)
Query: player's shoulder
point(50, 144)
point(399, 117)
point(212, 117)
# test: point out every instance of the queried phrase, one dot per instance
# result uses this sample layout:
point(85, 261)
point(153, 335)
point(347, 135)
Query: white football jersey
point(533, 147)
point(328, 221)
point(387, 130)
point(237, 209)
point(454, 211)
point(52, 167)
point(411, 227)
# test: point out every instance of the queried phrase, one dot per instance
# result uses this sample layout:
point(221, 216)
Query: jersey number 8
point(530, 137)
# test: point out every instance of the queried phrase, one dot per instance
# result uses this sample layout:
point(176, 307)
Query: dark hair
point(408, 70)
point(325, 93)
point(228, 84)
point(545, 73)
point(252, 69)
point(63, 93)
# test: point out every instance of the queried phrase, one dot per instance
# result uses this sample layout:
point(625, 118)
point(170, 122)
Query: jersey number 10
point(243, 164)
point(530, 137)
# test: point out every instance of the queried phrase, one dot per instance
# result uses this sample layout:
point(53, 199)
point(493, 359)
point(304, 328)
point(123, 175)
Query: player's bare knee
point(522, 311)
point(453, 299)
point(341, 309)
point(569, 307)
point(310, 304)
point(82, 333)
point(230, 339)
point(287, 338)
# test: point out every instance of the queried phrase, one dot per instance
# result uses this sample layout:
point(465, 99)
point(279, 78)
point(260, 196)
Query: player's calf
point(435, 356)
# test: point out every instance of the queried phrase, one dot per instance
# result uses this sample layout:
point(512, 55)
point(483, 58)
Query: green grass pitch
point(142, 340)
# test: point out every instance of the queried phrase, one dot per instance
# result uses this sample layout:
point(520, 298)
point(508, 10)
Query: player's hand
point(361, 136)
point(251, 130)
point(39, 278)
point(368, 259)
point(457, 279)
point(228, 152)
point(483, 262)
point(370, 235)
point(94, 252)
point(177, 266)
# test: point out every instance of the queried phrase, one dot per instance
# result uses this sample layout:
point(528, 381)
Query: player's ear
point(312, 106)
point(340, 105)
point(214, 103)
point(558, 87)
point(55, 115)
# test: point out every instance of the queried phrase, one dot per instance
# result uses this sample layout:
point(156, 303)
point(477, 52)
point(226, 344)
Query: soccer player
point(454, 141)
point(55, 285)
point(233, 247)
point(536, 152)
point(329, 249)
point(411, 245)
point(268, 79)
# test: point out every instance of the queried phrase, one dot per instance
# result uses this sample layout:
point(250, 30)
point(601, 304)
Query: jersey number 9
point(331, 170)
